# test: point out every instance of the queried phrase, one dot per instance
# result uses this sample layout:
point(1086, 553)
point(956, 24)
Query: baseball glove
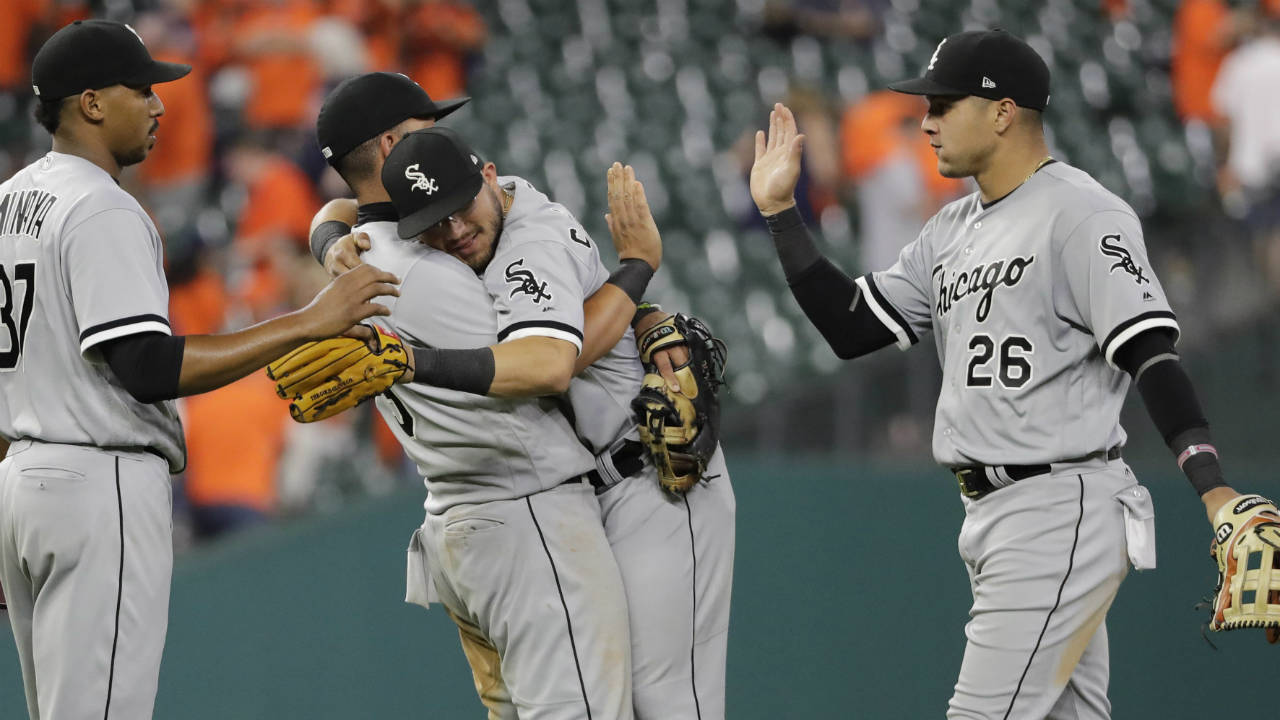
point(681, 429)
point(1246, 544)
point(326, 377)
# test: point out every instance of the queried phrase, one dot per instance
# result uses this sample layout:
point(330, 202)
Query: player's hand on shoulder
point(635, 234)
point(345, 253)
point(347, 300)
point(776, 169)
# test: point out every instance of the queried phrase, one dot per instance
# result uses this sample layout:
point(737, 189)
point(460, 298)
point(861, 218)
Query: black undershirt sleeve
point(466, 370)
point(325, 235)
point(147, 364)
point(1172, 403)
point(828, 296)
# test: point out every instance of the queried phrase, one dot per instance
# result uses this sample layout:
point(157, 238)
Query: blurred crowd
point(236, 177)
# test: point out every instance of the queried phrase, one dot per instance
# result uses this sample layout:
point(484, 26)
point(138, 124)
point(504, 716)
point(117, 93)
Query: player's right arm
point(830, 298)
point(153, 366)
point(333, 245)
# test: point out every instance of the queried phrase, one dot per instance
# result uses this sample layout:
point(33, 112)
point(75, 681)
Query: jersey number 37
point(24, 274)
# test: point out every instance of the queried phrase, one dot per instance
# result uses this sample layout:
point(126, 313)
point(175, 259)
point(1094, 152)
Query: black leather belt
point(976, 480)
point(628, 460)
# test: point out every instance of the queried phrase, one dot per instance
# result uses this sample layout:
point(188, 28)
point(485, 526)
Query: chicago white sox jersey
point(1029, 299)
point(80, 263)
point(544, 267)
point(469, 448)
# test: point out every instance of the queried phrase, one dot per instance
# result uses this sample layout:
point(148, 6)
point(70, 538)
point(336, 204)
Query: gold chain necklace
point(1047, 159)
point(508, 198)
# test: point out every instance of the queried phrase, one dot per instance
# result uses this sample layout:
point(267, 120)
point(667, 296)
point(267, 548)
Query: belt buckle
point(962, 476)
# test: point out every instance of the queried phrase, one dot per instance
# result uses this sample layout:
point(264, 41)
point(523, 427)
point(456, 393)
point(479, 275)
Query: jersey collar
point(376, 212)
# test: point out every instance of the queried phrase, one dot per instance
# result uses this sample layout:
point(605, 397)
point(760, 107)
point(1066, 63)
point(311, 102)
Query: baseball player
point(513, 543)
point(539, 266)
point(88, 372)
point(1044, 307)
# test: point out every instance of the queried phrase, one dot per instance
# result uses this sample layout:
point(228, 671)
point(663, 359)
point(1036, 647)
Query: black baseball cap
point(93, 54)
point(430, 175)
point(365, 105)
point(988, 63)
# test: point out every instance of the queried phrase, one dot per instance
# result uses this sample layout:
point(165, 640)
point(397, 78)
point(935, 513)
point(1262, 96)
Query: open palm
point(777, 165)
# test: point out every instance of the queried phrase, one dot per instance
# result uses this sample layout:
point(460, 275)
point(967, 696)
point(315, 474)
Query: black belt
point(975, 480)
point(628, 460)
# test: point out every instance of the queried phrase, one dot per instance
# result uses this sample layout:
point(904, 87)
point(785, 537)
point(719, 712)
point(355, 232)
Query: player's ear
point(386, 141)
point(1004, 113)
point(490, 172)
point(91, 105)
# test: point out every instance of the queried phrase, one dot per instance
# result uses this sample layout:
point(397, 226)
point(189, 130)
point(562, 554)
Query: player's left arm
point(1114, 293)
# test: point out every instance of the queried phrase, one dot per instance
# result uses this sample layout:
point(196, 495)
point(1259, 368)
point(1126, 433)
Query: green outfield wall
point(849, 603)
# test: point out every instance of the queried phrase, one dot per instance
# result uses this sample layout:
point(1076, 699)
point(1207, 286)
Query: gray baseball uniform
point(513, 542)
point(1029, 299)
point(675, 553)
point(85, 500)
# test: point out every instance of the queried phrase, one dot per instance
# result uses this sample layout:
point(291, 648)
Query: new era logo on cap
point(988, 82)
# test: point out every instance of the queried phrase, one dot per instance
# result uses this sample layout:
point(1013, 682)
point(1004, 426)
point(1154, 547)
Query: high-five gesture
point(635, 235)
point(777, 166)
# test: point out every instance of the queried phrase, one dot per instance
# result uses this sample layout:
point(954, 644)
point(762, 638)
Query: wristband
point(633, 276)
point(1195, 450)
point(325, 235)
point(470, 371)
point(642, 309)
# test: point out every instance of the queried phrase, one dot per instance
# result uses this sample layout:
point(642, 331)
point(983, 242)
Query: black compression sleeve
point(1172, 403)
point(147, 364)
point(793, 242)
point(633, 276)
point(325, 235)
point(832, 303)
point(466, 370)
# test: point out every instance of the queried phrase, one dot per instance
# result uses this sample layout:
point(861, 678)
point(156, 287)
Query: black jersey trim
point(1071, 562)
point(878, 302)
point(1135, 325)
point(376, 212)
point(122, 327)
point(568, 621)
point(693, 634)
point(115, 638)
point(544, 324)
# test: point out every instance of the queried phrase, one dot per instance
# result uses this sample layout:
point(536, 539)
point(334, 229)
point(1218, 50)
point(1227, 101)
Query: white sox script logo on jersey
point(981, 279)
point(420, 181)
point(1111, 247)
point(525, 282)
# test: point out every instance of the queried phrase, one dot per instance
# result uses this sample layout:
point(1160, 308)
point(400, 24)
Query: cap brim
point(413, 225)
point(448, 106)
point(924, 86)
point(158, 72)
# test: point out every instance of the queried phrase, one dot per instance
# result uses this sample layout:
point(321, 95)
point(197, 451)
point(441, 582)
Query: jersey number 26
point(1013, 367)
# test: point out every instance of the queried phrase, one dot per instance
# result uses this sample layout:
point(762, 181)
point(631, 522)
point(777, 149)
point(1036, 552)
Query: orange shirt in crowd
point(871, 132)
point(1198, 50)
point(438, 36)
point(379, 24)
point(185, 148)
point(235, 436)
point(273, 42)
point(20, 19)
point(199, 305)
point(281, 201)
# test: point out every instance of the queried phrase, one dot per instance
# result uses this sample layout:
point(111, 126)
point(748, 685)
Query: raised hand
point(348, 300)
point(345, 252)
point(777, 165)
point(635, 235)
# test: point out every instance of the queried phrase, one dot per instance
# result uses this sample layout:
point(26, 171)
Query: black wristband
point(642, 309)
point(1201, 468)
point(793, 242)
point(466, 370)
point(325, 235)
point(633, 276)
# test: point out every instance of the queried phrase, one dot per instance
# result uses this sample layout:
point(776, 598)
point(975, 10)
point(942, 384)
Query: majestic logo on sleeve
point(981, 281)
point(1111, 247)
point(526, 282)
point(420, 181)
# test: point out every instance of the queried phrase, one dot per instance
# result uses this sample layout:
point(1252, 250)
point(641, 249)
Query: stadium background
point(849, 598)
